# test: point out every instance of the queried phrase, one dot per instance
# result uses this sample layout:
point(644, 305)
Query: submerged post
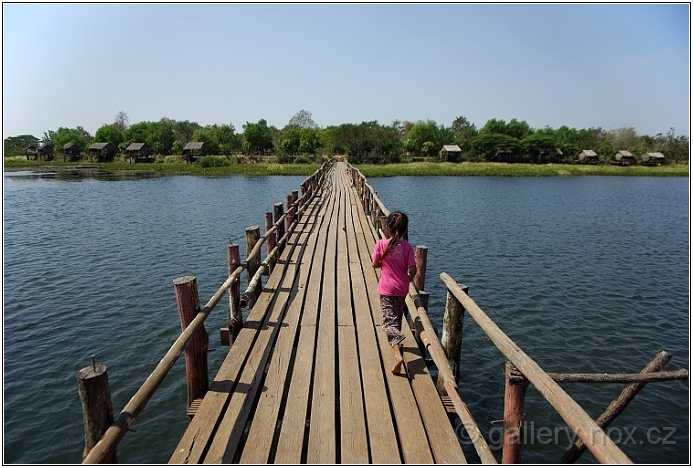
point(451, 341)
point(235, 319)
point(97, 408)
point(514, 408)
point(196, 350)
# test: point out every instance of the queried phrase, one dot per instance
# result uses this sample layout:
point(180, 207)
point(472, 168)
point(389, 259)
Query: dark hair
point(397, 223)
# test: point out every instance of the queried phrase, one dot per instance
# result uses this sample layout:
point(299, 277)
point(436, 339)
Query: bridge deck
point(308, 378)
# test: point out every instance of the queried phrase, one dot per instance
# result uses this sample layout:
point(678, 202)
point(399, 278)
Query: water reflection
point(81, 174)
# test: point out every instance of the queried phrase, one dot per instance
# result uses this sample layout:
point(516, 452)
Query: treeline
point(302, 140)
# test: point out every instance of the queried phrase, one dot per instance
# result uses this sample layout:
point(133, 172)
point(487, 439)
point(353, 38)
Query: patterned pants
point(392, 307)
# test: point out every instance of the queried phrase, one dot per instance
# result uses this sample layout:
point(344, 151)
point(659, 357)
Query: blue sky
point(581, 65)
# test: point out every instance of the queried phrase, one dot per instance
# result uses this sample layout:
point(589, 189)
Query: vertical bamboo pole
point(97, 408)
point(196, 350)
point(271, 241)
point(451, 340)
point(278, 213)
point(252, 236)
point(235, 320)
point(513, 414)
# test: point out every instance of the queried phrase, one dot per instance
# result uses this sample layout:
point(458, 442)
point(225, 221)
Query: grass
point(368, 170)
point(518, 170)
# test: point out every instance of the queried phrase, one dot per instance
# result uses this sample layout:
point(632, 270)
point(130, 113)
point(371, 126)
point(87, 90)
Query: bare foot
point(398, 365)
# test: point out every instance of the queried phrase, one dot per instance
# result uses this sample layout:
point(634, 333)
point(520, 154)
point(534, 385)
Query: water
point(585, 274)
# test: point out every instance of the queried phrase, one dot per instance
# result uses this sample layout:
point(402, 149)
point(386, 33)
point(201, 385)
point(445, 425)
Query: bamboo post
point(235, 320)
point(252, 237)
point(97, 408)
point(617, 406)
point(196, 350)
point(271, 241)
point(451, 340)
point(513, 414)
point(278, 213)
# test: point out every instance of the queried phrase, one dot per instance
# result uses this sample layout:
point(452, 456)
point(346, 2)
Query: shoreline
point(369, 170)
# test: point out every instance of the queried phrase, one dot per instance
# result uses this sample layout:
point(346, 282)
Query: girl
point(395, 256)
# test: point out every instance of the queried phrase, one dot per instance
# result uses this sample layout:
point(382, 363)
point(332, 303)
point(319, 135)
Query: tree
point(426, 138)
point(110, 133)
point(122, 121)
point(302, 119)
point(15, 145)
point(257, 137)
point(490, 146)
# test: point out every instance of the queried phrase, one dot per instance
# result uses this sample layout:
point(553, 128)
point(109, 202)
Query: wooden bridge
point(307, 377)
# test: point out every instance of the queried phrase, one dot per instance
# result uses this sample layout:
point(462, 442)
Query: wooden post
point(421, 256)
point(97, 409)
point(294, 199)
point(271, 241)
point(513, 414)
point(451, 341)
point(252, 236)
point(289, 212)
point(235, 320)
point(278, 213)
point(196, 350)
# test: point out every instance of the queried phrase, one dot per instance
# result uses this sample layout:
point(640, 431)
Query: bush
point(212, 161)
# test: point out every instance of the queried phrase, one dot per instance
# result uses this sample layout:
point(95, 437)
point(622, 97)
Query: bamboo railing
point(104, 450)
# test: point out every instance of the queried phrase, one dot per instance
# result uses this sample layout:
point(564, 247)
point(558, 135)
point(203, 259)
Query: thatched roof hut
point(31, 152)
point(71, 150)
point(451, 153)
point(138, 151)
point(45, 150)
point(102, 152)
point(588, 157)
point(623, 158)
point(652, 159)
point(193, 149)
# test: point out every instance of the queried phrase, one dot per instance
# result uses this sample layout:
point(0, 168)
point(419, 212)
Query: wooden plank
point(290, 445)
point(381, 428)
point(322, 447)
point(353, 443)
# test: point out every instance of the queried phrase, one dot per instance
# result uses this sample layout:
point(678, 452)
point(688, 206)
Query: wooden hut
point(504, 156)
point(550, 156)
point(45, 150)
point(652, 159)
point(138, 152)
point(102, 152)
point(451, 153)
point(193, 149)
point(71, 151)
point(588, 157)
point(31, 152)
point(623, 158)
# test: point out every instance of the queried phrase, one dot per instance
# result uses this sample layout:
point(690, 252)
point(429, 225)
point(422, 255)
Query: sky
point(580, 65)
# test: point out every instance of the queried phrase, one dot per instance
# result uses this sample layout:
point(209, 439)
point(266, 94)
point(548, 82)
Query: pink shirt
point(394, 277)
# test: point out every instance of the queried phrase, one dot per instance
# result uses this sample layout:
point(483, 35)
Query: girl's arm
point(412, 272)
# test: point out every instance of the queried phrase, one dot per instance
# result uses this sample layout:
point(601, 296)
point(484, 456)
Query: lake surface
point(585, 274)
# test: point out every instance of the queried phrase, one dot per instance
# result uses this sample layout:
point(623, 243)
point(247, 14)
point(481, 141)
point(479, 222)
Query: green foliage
point(212, 161)
point(77, 136)
point(14, 146)
point(257, 137)
point(111, 133)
